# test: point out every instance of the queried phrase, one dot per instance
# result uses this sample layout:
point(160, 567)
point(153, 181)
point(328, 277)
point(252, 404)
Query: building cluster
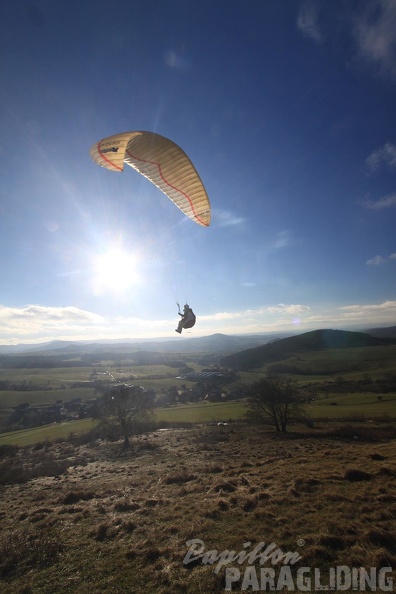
point(207, 387)
point(26, 415)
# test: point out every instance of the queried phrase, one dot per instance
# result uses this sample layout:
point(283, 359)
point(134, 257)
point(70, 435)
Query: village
point(207, 386)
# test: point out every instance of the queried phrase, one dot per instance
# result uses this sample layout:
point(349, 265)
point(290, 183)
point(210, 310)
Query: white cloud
point(371, 312)
point(375, 34)
point(385, 154)
point(248, 284)
point(378, 260)
point(292, 309)
point(39, 314)
point(283, 239)
point(281, 308)
point(225, 218)
point(386, 202)
point(365, 315)
point(177, 61)
point(37, 324)
point(376, 306)
point(307, 21)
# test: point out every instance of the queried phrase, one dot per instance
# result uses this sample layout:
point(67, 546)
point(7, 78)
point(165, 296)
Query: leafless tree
point(276, 399)
point(123, 408)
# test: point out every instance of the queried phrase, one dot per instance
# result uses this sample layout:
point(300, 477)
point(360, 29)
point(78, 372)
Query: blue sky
point(287, 110)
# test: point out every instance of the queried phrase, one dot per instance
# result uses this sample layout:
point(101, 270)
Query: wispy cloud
point(373, 310)
point(52, 315)
point(375, 34)
point(292, 309)
point(37, 324)
point(226, 218)
point(385, 154)
point(248, 284)
point(307, 21)
point(282, 239)
point(378, 260)
point(177, 61)
point(386, 202)
point(250, 314)
point(37, 321)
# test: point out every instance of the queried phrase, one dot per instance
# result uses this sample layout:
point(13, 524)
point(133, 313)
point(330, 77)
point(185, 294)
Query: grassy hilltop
point(83, 519)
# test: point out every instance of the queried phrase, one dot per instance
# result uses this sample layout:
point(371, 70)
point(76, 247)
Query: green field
point(11, 398)
point(46, 433)
point(188, 413)
point(352, 363)
point(51, 376)
point(364, 405)
point(202, 412)
point(320, 374)
point(349, 407)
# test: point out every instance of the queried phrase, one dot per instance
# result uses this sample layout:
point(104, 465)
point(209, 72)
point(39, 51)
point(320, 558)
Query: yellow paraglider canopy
point(163, 162)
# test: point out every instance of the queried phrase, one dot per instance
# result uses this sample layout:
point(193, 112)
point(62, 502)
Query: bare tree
point(276, 399)
point(123, 408)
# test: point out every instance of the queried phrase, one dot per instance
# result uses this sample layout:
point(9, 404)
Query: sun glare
point(115, 271)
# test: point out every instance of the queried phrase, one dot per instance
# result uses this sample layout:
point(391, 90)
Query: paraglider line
point(167, 183)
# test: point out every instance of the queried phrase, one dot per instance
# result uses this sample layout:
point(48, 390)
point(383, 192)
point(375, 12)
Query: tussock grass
point(178, 478)
point(73, 497)
point(22, 550)
point(44, 459)
point(355, 475)
point(122, 524)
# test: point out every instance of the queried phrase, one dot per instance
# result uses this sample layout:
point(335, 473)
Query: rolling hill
point(213, 344)
point(310, 341)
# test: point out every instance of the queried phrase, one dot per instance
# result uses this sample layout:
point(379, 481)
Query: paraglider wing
point(163, 162)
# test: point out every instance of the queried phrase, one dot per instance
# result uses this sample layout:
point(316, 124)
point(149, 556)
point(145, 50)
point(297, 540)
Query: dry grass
point(81, 518)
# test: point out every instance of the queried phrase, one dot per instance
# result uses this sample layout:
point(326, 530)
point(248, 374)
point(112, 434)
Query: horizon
point(131, 340)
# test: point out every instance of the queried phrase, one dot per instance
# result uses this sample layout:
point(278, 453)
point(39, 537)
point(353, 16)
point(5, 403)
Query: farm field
point(45, 376)
point(190, 413)
point(51, 432)
point(46, 386)
point(350, 407)
point(83, 518)
point(320, 374)
point(363, 405)
point(202, 412)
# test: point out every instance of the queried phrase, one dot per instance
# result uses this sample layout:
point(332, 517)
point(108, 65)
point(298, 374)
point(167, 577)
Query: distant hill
point(310, 341)
point(389, 332)
point(219, 345)
point(215, 343)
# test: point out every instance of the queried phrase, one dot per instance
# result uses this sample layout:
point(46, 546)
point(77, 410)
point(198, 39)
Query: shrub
point(7, 451)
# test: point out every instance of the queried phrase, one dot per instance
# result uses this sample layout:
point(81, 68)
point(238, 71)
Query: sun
point(115, 270)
